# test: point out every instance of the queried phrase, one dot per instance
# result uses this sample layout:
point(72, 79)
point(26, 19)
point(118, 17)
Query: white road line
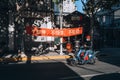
point(82, 76)
point(91, 75)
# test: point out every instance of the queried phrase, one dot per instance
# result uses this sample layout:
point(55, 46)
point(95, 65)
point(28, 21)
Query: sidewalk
point(104, 55)
point(110, 55)
point(48, 56)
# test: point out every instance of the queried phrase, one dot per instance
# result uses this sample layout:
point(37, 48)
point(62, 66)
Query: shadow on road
point(29, 55)
point(112, 76)
point(41, 71)
point(110, 55)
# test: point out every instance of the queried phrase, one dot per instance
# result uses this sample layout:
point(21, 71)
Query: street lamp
point(61, 19)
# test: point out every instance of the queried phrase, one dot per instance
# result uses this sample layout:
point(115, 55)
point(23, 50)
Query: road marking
point(82, 76)
point(91, 75)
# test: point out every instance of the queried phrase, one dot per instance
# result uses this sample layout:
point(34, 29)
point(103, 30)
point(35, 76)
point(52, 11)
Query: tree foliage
point(92, 6)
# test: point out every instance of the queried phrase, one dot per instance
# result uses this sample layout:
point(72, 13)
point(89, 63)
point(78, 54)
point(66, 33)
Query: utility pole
point(61, 19)
point(11, 31)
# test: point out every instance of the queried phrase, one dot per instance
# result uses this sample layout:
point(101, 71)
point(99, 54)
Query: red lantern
point(69, 47)
point(88, 37)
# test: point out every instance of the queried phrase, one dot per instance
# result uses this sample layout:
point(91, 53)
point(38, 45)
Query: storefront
point(110, 38)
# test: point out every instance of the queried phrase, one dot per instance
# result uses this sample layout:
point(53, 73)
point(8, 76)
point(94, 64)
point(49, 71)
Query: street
point(37, 71)
point(37, 37)
point(104, 69)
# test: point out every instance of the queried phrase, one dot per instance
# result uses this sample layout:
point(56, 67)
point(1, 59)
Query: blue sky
point(79, 6)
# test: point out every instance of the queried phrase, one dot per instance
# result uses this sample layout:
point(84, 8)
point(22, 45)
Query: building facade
point(109, 21)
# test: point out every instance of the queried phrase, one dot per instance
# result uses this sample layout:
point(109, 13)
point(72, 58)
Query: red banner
point(65, 32)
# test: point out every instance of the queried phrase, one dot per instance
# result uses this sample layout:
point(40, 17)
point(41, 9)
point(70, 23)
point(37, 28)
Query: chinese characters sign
point(65, 32)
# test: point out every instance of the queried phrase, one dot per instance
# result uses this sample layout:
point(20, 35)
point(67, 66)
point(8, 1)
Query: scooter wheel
point(82, 62)
point(73, 63)
point(92, 61)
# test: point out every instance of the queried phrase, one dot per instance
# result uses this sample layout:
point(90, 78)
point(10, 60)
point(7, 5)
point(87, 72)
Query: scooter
point(83, 56)
point(41, 49)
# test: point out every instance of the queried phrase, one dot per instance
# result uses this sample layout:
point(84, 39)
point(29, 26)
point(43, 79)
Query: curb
point(35, 58)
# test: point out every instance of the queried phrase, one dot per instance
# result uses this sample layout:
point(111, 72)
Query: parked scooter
point(41, 49)
point(84, 56)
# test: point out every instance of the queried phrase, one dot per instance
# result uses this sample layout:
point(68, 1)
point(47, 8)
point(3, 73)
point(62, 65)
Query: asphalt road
point(59, 70)
point(37, 71)
point(107, 67)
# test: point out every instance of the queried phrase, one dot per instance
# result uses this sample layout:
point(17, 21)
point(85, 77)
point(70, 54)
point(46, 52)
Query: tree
point(91, 7)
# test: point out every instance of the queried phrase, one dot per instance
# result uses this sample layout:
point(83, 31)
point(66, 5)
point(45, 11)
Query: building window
point(104, 19)
point(98, 19)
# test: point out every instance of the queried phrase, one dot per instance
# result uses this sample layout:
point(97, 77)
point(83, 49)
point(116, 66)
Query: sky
point(79, 6)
